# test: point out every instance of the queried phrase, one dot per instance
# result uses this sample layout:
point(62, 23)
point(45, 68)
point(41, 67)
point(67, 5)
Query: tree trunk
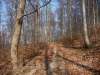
point(36, 25)
point(48, 28)
point(16, 35)
point(97, 15)
point(88, 17)
point(29, 29)
point(0, 11)
point(70, 16)
point(86, 39)
point(94, 20)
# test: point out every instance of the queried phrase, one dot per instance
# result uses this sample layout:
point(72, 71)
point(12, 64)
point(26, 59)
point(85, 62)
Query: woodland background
point(57, 22)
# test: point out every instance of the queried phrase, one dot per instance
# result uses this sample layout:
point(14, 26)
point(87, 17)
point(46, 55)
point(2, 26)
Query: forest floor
point(58, 59)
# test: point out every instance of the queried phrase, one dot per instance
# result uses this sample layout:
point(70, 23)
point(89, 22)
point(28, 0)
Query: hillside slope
point(59, 60)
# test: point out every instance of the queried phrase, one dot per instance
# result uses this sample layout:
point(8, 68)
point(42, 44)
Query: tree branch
point(32, 5)
point(34, 11)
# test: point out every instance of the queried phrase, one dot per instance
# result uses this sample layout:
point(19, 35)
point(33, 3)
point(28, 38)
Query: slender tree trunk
point(86, 39)
point(29, 29)
point(63, 22)
point(0, 23)
point(16, 35)
point(70, 16)
point(48, 29)
point(94, 20)
point(36, 25)
point(97, 15)
point(46, 9)
point(0, 11)
point(88, 18)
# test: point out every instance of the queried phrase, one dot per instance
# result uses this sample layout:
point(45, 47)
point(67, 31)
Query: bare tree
point(70, 16)
point(94, 20)
point(0, 21)
point(0, 12)
point(86, 39)
point(97, 15)
point(48, 27)
point(36, 24)
point(16, 35)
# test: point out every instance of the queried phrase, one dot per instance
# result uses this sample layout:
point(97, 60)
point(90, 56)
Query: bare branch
point(32, 5)
point(20, 20)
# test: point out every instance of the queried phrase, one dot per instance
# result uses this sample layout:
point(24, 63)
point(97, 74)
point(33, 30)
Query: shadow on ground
point(46, 63)
point(95, 71)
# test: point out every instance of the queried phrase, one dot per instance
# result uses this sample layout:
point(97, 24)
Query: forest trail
point(50, 37)
point(59, 60)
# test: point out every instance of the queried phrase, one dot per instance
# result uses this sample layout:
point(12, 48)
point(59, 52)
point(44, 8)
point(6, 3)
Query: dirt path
point(58, 60)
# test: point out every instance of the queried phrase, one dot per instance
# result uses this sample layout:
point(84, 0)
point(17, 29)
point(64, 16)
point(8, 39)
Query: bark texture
point(16, 35)
point(86, 39)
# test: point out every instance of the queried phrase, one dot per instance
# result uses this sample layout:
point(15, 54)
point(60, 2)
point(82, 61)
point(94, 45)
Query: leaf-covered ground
point(59, 60)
